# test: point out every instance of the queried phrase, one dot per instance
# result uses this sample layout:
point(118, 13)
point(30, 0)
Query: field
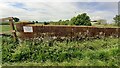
point(87, 52)
point(5, 29)
point(108, 25)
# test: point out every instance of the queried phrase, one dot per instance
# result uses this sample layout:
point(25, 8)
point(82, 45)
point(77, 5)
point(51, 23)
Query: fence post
point(13, 29)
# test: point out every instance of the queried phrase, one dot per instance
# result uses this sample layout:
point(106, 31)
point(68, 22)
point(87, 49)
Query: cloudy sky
point(54, 11)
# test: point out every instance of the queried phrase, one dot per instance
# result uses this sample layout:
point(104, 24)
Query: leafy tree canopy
point(81, 19)
point(117, 19)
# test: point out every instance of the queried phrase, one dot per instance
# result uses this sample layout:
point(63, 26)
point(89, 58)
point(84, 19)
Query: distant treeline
point(81, 19)
point(4, 23)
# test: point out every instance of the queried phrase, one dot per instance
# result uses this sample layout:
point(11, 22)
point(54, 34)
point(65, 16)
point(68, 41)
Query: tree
point(46, 23)
point(66, 22)
point(81, 19)
point(117, 19)
point(33, 22)
point(16, 19)
point(73, 21)
point(37, 22)
point(60, 22)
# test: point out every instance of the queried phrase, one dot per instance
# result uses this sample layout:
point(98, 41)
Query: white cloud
point(47, 11)
point(40, 11)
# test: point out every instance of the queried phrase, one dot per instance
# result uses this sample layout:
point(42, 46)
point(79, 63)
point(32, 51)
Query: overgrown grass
point(0, 50)
point(97, 52)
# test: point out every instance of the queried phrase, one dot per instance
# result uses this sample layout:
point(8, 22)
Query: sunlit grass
point(5, 28)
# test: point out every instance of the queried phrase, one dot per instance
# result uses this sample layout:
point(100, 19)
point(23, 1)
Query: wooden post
point(13, 28)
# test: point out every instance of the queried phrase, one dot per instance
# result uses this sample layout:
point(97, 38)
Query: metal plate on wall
point(27, 29)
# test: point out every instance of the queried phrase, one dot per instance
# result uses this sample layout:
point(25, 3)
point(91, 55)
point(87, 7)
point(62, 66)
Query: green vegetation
point(117, 19)
point(5, 28)
point(4, 23)
point(96, 52)
point(92, 52)
point(0, 51)
point(105, 25)
point(81, 19)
